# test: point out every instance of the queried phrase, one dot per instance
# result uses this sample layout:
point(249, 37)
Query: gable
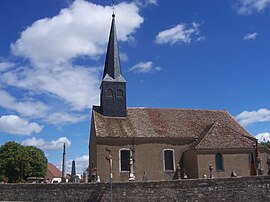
point(222, 137)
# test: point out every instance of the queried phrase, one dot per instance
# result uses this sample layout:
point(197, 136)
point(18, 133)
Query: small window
point(109, 92)
point(219, 162)
point(124, 160)
point(119, 93)
point(168, 159)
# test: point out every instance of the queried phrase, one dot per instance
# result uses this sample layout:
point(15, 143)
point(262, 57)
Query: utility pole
point(64, 164)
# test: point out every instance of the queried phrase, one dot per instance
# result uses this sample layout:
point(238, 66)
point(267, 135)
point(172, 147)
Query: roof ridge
point(200, 139)
point(234, 134)
point(219, 110)
point(234, 120)
point(54, 167)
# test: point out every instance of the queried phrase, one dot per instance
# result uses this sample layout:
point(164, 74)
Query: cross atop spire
point(113, 85)
point(112, 69)
point(113, 8)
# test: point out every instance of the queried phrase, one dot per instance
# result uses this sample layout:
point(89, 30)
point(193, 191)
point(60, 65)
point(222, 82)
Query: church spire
point(112, 69)
point(113, 85)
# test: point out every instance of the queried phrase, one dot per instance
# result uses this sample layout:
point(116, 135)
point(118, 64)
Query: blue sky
point(174, 54)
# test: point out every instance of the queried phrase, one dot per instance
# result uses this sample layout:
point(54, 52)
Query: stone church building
point(164, 144)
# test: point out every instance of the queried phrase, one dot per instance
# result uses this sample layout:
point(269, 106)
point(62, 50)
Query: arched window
point(168, 158)
point(124, 160)
point(109, 92)
point(119, 93)
point(219, 162)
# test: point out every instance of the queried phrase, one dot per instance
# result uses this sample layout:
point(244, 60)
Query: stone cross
point(131, 164)
point(211, 170)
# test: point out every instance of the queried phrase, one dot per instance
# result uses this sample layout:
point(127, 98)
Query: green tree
point(18, 162)
point(267, 144)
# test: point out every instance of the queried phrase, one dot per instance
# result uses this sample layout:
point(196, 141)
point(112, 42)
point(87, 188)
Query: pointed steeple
point(112, 69)
point(113, 85)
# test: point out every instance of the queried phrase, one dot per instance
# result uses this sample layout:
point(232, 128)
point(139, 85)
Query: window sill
point(169, 171)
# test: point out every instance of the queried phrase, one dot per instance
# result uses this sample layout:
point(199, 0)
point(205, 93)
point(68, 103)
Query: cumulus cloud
point(26, 108)
point(144, 3)
point(181, 33)
point(13, 124)
point(246, 7)
point(81, 163)
point(80, 30)
point(6, 65)
point(76, 85)
point(145, 67)
point(47, 145)
point(250, 36)
point(263, 137)
point(123, 57)
point(62, 118)
point(246, 117)
point(53, 46)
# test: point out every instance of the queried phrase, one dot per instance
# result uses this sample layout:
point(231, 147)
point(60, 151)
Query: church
point(137, 143)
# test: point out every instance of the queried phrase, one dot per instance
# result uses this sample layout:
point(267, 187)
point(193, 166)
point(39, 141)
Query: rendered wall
point(148, 157)
point(231, 162)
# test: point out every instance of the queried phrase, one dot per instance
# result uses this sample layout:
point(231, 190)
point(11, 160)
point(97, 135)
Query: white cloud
point(152, 2)
point(181, 33)
point(26, 108)
point(13, 124)
point(38, 110)
point(246, 117)
point(52, 46)
point(144, 3)
point(77, 86)
point(246, 7)
point(62, 118)
point(250, 36)
point(123, 57)
point(82, 158)
point(263, 137)
point(81, 163)
point(52, 145)
point(145, 67)
point(82, 29)
point(6, 65)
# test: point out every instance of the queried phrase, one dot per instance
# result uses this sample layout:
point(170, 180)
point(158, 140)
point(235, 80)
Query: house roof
point(222, 137)
point(52, 171)
point(163, 123)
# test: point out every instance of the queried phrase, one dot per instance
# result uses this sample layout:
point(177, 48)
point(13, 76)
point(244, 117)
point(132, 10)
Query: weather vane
point(113, 7)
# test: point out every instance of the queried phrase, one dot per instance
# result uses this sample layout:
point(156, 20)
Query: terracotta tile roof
point(168, 123)
point(52, 171)
point(222, 137)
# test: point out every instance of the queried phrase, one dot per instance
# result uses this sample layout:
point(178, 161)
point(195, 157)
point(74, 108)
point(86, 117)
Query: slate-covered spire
point(112, 69)
point(113, 85)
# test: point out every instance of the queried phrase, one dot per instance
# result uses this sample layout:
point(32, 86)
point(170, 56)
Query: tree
point(266, 144)
point(17, 162)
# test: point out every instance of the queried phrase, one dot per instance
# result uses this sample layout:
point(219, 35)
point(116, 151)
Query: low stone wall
point(225, 189)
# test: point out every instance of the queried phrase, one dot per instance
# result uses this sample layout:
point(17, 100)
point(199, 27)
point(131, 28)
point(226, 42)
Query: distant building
point(164, 144)
point(53, 175)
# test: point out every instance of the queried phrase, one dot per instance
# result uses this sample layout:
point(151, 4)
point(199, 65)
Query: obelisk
point(64, 164)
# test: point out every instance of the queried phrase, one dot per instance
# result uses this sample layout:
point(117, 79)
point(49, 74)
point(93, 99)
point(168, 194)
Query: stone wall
point(225, 189)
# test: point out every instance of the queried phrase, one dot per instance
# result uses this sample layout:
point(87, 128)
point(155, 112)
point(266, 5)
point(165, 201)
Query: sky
point(174, 54)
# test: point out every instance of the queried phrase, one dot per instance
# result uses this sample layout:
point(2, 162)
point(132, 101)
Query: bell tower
point(113, 85)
